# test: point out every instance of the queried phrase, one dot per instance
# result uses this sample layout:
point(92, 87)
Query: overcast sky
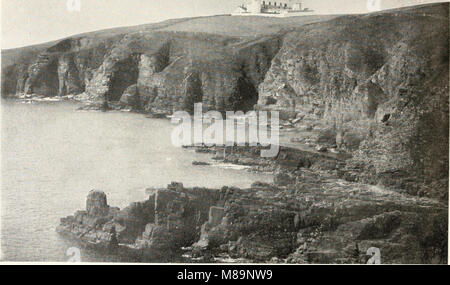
point(26, 22)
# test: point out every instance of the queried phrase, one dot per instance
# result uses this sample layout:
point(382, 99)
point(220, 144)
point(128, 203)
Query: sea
point(52, 155)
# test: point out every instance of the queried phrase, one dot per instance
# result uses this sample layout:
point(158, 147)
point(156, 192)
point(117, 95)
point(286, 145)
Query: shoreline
point(281, 222)
point(310, 200)
point(363, 147)
point(286, 221)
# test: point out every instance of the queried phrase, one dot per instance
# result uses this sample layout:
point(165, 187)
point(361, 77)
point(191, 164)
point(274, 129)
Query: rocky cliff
point(377, 85)
point(153, 230)
point(161, 67)
point(373, 86)
point(307, 216)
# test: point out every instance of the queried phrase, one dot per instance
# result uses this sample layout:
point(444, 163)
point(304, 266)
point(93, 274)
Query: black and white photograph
point(211, 132)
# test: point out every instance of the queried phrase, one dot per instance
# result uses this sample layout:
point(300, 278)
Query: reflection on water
point(53, 155)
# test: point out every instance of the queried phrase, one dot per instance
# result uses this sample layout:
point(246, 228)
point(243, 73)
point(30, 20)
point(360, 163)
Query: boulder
point(327, 137)
point(284, 179)
point(200, 163)
point(321, 148)
point(96, 204)
point(349, 140)
point(130, 98)
point(216, 215)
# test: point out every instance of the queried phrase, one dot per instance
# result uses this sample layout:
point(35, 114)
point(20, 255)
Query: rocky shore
point(374, 85)
point(363, 97)
point(308, 215)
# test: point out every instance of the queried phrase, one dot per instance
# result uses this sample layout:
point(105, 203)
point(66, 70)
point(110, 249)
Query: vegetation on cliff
point(374, 86)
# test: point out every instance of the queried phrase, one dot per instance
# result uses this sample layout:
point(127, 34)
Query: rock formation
point(378, 84)
point(314, 218)
point(373, 86)
point(170, 219)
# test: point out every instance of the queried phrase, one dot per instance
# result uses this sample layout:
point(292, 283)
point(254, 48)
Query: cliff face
point(307, 215)
point(374, 86)
point(170, 65)
point(315, 219)
point(58, 70)
point(156, 228)
point(172, 71)
point(379, 84)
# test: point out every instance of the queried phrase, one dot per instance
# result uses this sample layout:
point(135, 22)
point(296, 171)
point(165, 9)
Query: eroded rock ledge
point(316, 220)
point(307, 216)
point(375, 85)
point(154, 229)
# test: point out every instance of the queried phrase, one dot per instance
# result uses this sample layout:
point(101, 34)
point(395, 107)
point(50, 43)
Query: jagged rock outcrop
point(308, 215)
point(374, 86)
point(316, 219)
point(131, 98)
point(97, 204)
point(379, 82)
point(68, 76)
point(288, 159)
point(89, 225)
point(154, 229)
point(171, 70)
point(323, 222)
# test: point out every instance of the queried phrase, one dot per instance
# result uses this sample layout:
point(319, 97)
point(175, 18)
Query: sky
point(27, 22)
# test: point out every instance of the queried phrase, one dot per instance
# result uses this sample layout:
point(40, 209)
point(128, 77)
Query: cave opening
point(247, 95)
point(193, 92)
point(126, 73)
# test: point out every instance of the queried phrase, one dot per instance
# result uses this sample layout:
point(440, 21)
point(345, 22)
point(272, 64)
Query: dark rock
point(130, 98)
point(348, 140)
point(155, 229)
point(216, 215)
point(369, 85)
point(316, 219)
point(321, 148)
point(96, 204)
point(326, 225)
point(175, 186)
point(260, 185)
point(284, 179)
point(200, 163)
point(386, 118)
point(327, 137)
point(156, 115)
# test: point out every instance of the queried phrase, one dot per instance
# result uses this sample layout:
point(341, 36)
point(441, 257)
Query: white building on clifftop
point(283, 8)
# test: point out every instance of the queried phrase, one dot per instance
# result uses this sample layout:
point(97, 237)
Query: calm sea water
point(52, 155)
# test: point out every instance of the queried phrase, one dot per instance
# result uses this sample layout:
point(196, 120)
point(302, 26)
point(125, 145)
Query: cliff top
point(224, 25)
